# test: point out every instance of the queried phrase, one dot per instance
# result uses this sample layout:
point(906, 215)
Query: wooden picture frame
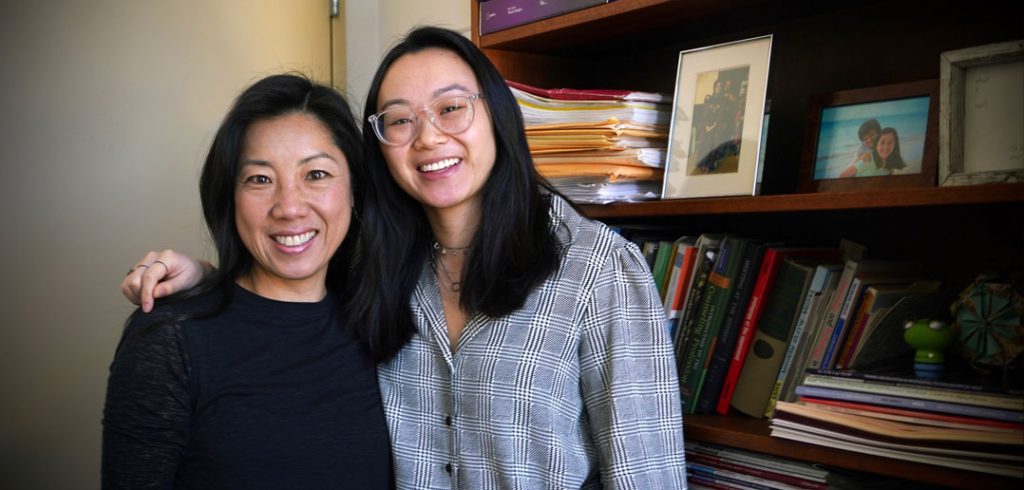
point(835, 158)
point(717, 113)
point(981, 114)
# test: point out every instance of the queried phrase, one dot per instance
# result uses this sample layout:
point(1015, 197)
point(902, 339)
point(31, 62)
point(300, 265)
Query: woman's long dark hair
point(514, 250)
point(895, 161)
point(270, 97)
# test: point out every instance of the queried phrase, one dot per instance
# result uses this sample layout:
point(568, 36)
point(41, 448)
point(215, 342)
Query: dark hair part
point(270, 97)
point(514, 249)
point(895, 161)
point(870, 124)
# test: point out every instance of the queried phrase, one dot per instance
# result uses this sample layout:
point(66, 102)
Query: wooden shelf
point(753, 435)
point(831, 201)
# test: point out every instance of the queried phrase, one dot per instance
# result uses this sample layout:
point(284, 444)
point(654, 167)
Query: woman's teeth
point(295, 240)
point(439, 165)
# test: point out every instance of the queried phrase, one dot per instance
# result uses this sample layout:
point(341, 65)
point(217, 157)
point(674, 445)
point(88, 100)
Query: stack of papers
point(597, 146)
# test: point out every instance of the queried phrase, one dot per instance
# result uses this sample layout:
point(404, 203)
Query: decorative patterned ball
point(988, 320)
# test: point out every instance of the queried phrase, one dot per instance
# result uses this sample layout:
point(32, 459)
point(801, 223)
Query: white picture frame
point(981, 114)
point(717, 112)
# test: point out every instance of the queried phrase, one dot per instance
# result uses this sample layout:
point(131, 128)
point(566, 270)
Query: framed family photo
point(873, 138)
point(717, 114)
point(981, 118)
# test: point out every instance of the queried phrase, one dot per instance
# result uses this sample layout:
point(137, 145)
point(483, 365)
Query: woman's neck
point(308, 290)
point(454, 227)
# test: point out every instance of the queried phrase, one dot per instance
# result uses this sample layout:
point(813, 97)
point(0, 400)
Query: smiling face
point(441, 171)
point(886, 143)
point(293, 202)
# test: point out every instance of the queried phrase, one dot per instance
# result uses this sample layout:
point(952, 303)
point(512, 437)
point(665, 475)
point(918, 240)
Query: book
point(992, 400)
point(661, 262)
point(725, 464)
point(885, 346)
point(916, 416)
point(993, 458)
point(719, 286)
point(763, 461)
point(707, 249)
point(772, 258)
point(876, 297)
point(679, 281)
point(718, 363)
point(980, 395)
point(774, 334)
point(891, 430)
point(874, 272)
point(731, 478)
point(866, 447)
point(826, 331)
point(911, 403)
point(496, 15)
point(792, 362)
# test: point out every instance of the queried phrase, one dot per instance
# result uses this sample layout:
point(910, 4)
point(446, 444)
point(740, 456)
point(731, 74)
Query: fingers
point(139, 285)
point(153, 276)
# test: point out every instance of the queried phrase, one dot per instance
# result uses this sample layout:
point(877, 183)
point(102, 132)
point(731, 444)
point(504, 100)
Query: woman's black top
point(265, 394)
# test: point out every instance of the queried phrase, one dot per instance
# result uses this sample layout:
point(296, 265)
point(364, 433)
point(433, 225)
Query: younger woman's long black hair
point(514, 250)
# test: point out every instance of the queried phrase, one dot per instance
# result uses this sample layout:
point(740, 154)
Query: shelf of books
point(788, 309)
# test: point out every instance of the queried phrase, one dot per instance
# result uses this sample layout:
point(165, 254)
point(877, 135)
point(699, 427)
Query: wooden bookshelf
point(832, 201)
point(818, 47)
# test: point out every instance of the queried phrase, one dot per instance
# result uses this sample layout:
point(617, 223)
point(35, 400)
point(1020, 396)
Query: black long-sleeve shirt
point(266, 394)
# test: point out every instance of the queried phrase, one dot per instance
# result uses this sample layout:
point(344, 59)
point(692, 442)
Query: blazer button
point(448, 467)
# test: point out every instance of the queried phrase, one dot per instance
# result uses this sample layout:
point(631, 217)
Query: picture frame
point(981, 114)
point(717, 113)
point(852, 134)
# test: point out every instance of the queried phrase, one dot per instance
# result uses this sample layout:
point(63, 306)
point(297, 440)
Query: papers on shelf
point(597, 146)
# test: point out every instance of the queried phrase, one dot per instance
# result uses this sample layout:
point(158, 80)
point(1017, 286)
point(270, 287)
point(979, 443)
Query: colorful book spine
point(798, 340)
point(773, 335)
point(720, 284)
point(719, 362)
point(770, 262)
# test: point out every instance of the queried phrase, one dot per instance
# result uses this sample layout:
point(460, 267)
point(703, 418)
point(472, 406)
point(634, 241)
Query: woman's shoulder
point(584, 236)
point(168, 318)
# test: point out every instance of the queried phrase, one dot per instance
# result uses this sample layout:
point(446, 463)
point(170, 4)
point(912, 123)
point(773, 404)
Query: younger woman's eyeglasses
point(450, 114)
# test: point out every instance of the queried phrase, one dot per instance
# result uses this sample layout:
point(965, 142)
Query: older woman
point(253, 379)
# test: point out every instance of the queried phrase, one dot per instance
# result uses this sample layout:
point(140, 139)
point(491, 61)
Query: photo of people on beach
point(873, 139)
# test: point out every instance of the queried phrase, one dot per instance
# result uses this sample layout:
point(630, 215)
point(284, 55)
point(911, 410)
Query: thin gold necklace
point(454, 285)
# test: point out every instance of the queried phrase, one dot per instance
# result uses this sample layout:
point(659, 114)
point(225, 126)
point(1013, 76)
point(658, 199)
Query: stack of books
point(597, 146)
point(712, 466)
point(968, 426)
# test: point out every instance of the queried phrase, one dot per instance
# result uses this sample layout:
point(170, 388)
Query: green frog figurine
point(929, 338)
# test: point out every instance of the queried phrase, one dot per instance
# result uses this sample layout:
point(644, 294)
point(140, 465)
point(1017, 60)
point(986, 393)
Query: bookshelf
point(818, 47)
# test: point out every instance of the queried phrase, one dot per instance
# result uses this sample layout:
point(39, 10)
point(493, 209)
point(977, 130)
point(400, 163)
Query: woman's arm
point(148, 407)
point(628, 379)
point(161, 274)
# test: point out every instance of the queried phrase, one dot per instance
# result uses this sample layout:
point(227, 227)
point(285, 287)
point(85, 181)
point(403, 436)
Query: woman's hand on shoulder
point(161, 274)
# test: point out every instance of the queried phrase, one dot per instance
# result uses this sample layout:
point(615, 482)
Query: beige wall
point(374, 26)
point(107, 109)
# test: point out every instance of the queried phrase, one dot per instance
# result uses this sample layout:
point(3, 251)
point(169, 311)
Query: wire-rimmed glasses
point(450, 114)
